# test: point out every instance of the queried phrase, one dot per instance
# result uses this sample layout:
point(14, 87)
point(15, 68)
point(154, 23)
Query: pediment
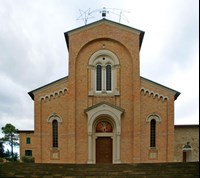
point(104, 106)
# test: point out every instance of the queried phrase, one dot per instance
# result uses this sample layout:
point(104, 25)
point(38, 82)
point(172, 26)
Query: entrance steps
point(141, 170)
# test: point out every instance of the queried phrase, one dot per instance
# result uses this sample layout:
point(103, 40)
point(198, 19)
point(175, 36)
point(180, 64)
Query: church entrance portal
point(104, 133)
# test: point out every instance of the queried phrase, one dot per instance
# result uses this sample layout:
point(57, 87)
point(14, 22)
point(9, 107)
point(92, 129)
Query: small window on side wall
point(55, 133)
point(28, 152)
point(153, 119)
point(54, 120)
point(28, 140)
point(153, 133)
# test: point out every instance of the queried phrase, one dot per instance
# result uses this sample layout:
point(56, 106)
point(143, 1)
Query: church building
point(103, 111)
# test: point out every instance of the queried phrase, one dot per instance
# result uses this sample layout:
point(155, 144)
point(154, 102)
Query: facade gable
point(108, 23)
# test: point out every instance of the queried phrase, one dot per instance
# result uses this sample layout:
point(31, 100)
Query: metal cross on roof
point(85, 15)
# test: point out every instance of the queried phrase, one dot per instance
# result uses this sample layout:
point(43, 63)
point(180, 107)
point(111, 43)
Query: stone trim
point(154, 94)
point(94, 115)
point(94, 58)
point(54, 116)
point(153, 116)
point(53, 95)
point(153, 154)
point(104, 103)
point(109, 59)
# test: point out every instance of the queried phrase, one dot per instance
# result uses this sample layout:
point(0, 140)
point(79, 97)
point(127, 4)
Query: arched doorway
point(104, 142)
point(187, 149)
point(111, 114)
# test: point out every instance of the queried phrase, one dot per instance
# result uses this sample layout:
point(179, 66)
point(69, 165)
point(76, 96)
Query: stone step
point(102, 171)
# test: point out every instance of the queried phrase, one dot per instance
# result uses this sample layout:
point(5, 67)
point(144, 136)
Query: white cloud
point(33, 51)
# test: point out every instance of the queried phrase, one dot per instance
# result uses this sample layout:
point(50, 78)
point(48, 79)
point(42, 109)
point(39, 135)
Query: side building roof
point(25, 131)
point(174, 92)
point(187, 126)
point(31, 93)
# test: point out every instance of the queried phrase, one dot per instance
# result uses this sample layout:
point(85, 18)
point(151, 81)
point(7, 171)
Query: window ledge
point(153, 148)
point(103, 93)
point(153, 153)
point(54, 148)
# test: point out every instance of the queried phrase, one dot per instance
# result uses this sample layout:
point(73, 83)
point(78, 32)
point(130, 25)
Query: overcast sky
point(33, 51)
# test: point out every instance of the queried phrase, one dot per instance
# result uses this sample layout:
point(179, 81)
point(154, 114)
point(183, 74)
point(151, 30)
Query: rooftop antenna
point(85, 15)
point(122, 16)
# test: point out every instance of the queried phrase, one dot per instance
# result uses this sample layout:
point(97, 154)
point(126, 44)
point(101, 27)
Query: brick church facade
point(103, 111)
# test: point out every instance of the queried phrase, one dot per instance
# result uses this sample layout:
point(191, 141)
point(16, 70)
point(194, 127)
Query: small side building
point(186, 143)
point(27, 143)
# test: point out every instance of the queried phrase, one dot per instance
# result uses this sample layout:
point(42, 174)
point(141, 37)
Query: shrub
point(28, 159)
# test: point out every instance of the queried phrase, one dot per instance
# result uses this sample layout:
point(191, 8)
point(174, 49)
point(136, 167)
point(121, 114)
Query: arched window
point(108, 78)
point(104, 77)
point(153, 133)
point(54, 119)
point(55, 133)
point(104, 69)
point(98, 78)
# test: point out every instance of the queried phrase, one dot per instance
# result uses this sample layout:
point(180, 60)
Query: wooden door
point(103, 150)
point(184, 156)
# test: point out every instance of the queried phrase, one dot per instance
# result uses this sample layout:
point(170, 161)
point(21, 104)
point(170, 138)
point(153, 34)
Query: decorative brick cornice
point(154, 94)
point(54, 95)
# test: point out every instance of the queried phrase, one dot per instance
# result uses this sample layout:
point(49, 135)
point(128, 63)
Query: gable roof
point(175, 93)
point(105, 21)
point(31, 93)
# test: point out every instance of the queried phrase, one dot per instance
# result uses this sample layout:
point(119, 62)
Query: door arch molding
point(113, 114)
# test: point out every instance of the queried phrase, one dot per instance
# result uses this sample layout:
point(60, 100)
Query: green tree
point(1, 149)
point(10, 137)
